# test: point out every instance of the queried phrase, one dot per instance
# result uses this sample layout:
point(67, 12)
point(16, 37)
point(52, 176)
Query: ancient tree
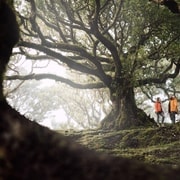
point(121, 44)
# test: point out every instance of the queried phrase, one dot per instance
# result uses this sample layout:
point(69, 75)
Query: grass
point(155, 145)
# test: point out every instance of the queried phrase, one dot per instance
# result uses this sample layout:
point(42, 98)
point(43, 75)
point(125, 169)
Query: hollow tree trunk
point(125, 113)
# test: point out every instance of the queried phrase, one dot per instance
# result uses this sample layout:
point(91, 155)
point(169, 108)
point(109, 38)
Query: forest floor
point(155, 145)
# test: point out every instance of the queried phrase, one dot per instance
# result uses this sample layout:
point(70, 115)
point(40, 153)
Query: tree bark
point(125, 113)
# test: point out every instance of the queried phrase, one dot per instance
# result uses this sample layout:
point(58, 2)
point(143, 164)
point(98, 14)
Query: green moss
point(153, 145)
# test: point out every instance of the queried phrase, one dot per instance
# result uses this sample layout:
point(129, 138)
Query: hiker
point(159, 111)
point(173, 108)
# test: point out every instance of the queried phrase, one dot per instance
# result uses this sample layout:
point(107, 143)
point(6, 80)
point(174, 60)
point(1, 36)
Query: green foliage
point(141, 32)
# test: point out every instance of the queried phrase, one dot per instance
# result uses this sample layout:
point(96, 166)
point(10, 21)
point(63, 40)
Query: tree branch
point(93, 22)
point(56, 78)
point(72, 64)
point(172, 5)
point(162, 78)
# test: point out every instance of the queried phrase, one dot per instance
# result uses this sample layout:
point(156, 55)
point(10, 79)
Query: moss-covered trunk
point(125, 113)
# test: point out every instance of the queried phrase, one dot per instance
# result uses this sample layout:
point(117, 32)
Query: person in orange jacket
point(159, 111)
point(173, 108)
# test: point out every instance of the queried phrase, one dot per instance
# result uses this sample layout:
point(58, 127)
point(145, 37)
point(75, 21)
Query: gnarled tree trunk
point(125, 113)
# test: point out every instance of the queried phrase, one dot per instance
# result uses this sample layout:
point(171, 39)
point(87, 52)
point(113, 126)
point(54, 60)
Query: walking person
point(173, 109)
point(159, 112)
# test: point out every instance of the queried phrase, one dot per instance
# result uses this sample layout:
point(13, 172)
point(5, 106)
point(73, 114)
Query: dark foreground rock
point(30, 151)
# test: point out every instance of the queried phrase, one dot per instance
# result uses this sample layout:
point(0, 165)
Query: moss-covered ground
point(155, 145)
